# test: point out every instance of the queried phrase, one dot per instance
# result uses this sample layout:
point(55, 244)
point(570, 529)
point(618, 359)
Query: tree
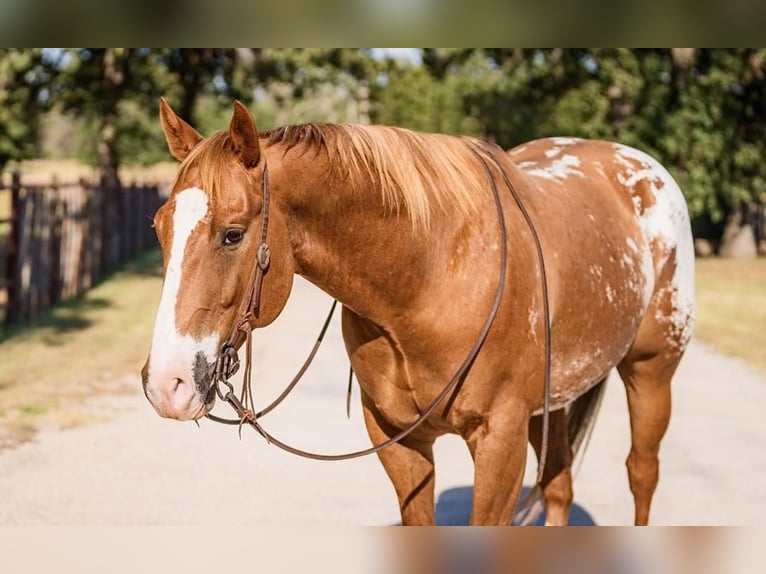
point(95, 83)
point(24, 81)
point(406, 95)
point(715, 136)
point(700, 112)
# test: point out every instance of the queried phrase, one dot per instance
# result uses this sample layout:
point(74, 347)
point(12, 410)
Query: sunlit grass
point(92, 345)
point(731, 301)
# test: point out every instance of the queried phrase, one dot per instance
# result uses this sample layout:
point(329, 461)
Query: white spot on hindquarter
point(561, 168)
point(553, 152)
point(565, 141)
point(667, 223)
point(173, 354)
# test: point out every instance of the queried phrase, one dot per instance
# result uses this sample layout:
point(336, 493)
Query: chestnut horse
point(402, 229)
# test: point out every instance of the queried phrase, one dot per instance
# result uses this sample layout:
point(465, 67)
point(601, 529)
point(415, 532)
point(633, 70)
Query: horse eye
point(233, 236)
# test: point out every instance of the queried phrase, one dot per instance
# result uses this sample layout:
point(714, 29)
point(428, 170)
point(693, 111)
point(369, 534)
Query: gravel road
point(138, 469)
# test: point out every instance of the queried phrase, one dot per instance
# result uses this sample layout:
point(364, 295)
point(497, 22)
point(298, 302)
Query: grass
point(91, 346)
point(731, 302)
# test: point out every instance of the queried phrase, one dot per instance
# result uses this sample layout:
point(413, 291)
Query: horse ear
point(181, 136)
point(244, 136)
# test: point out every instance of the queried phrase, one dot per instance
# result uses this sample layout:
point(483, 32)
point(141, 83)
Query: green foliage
point(700, 112)
point(141, 140)
point(407, 96)
point(114, 87)
point(23, 76)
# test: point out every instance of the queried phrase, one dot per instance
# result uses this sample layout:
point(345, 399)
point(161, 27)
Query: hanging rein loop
point(546, 317)
point(228, 363)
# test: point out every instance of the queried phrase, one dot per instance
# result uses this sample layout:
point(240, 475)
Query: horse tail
point(581, 419)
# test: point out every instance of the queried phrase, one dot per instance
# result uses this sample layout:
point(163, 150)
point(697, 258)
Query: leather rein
point(227, 363)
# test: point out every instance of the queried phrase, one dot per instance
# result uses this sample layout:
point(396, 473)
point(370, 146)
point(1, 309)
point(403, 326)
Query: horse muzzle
point(180, 394)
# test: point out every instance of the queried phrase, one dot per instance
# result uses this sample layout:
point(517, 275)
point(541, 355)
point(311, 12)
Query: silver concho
point(263, 256)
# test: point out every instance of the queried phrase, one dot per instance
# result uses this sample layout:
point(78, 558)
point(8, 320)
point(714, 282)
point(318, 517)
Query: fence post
point(24, 220)
point(56, 246)
point(13, 271)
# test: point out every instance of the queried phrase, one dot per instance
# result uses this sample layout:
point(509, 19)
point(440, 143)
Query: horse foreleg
point(499, 450)
point(557, 475)
point(410, 466)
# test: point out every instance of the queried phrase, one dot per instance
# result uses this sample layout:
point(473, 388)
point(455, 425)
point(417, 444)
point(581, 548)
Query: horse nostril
point(145, 374)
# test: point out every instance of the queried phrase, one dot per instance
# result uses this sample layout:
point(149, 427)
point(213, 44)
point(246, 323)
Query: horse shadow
point(453, 508)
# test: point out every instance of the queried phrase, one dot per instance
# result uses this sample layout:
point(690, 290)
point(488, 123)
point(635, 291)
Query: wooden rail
point(66, 236)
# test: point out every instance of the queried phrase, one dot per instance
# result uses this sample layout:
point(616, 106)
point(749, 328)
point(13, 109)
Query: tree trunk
point(682, 60)
point(113, 80)
point(738, 239)
point(192, 79)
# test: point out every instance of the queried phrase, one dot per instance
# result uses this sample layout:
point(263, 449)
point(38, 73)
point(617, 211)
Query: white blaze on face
point(173, 355)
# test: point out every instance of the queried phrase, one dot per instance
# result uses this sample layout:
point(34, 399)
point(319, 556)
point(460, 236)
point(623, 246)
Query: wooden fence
point(63, 237)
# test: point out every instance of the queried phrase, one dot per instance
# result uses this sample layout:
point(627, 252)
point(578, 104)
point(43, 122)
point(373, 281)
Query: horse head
point(212, 232)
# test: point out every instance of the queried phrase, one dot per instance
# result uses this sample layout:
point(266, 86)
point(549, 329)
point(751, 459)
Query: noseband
point(227, 363)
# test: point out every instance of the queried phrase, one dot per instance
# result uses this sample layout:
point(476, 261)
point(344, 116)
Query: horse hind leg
point(647, 383)
point(647, 371)
point(556, 482)
point(568, 435)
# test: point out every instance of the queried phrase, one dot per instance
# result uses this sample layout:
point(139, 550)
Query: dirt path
point(138, 469)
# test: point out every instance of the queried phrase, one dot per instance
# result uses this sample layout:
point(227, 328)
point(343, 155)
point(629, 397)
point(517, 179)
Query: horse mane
point(414, 172)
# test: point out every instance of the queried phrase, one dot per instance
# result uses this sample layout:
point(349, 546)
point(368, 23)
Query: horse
point(402, 229)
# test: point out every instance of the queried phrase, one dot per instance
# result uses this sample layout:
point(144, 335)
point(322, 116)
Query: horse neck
point(345, 241)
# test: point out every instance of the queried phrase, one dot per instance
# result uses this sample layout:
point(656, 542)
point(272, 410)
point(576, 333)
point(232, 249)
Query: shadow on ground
point(453, 508)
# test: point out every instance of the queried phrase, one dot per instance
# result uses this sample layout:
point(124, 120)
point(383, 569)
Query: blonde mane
point(414, 172)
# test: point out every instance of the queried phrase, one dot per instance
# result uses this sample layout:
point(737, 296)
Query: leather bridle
point(249, 309)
